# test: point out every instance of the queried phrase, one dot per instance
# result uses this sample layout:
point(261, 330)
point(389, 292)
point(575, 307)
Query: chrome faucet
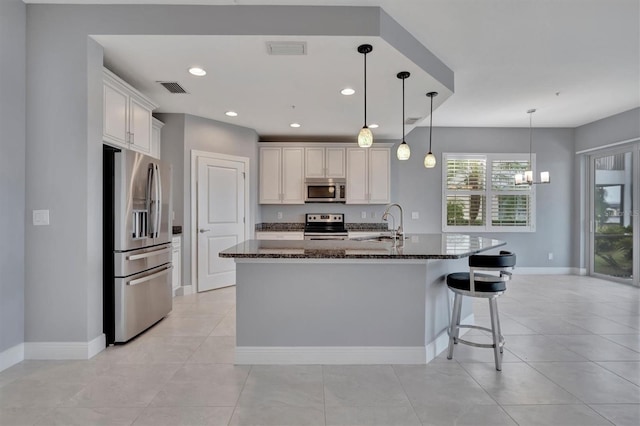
point(385, 215)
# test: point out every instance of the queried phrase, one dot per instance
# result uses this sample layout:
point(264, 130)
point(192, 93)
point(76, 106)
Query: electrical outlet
point(550, 256)
point(363, 215)
point(41, 217)
point(415, 215)
point(279, 215)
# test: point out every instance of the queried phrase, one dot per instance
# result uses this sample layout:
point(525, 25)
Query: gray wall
point(617, 128)
point(12, 171)
point(183, 133)
point(420, 190)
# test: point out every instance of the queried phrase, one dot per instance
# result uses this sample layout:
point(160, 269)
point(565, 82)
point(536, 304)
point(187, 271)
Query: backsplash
point(295, 213)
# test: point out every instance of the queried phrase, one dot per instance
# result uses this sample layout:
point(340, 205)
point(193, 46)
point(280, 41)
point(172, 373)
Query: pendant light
point(365, 137)
point(527, 178)
point(404, 152)
point(430, 159)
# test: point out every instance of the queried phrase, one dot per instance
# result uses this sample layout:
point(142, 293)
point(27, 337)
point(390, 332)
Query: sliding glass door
point(614, 230)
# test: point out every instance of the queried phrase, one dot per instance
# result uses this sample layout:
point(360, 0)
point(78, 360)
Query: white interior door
point(221, 219)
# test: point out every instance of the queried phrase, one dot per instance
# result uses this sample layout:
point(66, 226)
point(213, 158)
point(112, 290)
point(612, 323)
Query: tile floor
point(572, 358)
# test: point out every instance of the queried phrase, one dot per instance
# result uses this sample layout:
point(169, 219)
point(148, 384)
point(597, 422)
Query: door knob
point(202, 231)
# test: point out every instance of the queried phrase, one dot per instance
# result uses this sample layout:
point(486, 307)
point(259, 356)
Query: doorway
point(614, 177)
point(221, 216)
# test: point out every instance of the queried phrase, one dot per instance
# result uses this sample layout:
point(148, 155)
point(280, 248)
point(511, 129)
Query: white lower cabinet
point(277, 235)
point(176, 260)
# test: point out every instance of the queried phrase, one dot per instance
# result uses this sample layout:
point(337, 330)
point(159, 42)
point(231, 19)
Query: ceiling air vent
point(412, 120)
point(287, 47)
point(172, 86)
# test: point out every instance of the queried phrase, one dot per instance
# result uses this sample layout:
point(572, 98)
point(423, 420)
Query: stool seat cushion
point(462, 281)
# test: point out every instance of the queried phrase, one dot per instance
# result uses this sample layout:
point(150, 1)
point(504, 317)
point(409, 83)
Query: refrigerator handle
point(150, 200)
point(151, 277)
point(158, 182)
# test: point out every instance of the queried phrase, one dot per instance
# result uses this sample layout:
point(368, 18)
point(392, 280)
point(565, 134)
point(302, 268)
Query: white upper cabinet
point(368, 175)
point(127, 120)
point(325, 162)
point(281, 175)
point(156, 137)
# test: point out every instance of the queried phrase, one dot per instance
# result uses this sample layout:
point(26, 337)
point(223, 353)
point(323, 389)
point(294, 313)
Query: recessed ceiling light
point(295, 125)
point(347, 91)
point(198, 72)
point(373, 126)
point(231, 113)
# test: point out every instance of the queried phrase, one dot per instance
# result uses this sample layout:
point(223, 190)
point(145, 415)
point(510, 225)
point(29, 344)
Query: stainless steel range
point(325, 226)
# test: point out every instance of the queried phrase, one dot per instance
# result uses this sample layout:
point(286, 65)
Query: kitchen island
point(347, 302)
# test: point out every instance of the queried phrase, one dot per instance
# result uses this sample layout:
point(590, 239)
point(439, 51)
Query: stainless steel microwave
point(325, 190)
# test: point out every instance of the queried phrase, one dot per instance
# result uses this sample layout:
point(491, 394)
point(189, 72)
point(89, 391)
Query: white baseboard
point(579, 271)
point(184, 290)
point(64, 350)
point(11, 356)
point(288, 355)
point(544, 271)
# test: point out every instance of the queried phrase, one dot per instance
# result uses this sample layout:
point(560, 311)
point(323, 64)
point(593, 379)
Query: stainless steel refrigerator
point(137, 243)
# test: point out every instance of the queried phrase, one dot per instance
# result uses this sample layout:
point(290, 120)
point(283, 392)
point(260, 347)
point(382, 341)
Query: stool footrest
point(480, 345)
point(477, 345)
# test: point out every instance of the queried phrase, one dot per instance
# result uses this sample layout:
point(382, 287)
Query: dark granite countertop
point(415, 246)
point(279, 227)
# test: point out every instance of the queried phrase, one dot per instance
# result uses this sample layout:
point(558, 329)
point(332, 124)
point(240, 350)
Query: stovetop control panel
point(324, 218)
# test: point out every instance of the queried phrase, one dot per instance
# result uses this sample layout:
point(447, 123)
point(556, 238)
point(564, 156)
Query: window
point(480, 194)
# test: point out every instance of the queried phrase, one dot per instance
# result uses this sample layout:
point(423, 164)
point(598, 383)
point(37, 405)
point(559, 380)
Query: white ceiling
point(576, 61)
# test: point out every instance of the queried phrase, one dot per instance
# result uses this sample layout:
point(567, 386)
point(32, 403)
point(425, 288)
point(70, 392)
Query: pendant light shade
point(430, 159)
point(404, 151)
point(527, 177)
point(365, 137)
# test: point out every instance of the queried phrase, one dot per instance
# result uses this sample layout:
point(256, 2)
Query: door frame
point(195, 154)
point(634, 148)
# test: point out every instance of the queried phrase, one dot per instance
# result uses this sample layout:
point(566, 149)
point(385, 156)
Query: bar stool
point(489, 286)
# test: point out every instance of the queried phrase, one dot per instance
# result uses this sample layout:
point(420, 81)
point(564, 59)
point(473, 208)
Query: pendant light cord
point(403, 109)
point(530, 112)
point(430, 123)
point(365, 90)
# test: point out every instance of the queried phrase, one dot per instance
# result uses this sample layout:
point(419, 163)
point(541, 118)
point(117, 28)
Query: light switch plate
point(415, 215)
point(279, 215)
point(363, 215)
point(40, 217)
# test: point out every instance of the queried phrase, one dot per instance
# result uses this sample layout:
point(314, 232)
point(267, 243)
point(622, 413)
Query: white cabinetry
point(156, 136)
point(368, 175)
point(281, 175)
point(126, 120)
point(276, 235)
point(176, 261)
point(324, 162)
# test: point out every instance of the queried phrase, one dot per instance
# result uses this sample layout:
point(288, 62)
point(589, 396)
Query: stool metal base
point(455, 326)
